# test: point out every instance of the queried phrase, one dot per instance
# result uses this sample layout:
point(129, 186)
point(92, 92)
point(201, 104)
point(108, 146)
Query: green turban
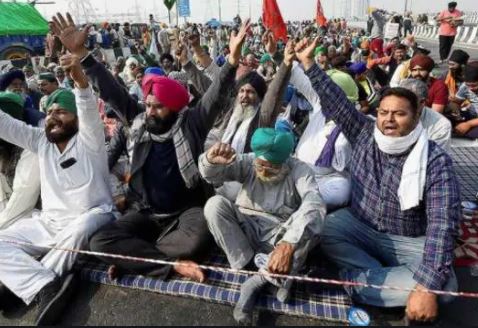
point(272, 145)
point(64, 98)
point(345, 82)
point(265, 58)
point(50, 77)
point(245, 51)
point(12, 104)
point(320, 50)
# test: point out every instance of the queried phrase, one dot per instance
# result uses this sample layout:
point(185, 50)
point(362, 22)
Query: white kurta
point(76, 200)
point(334, 182)
point(24, 191)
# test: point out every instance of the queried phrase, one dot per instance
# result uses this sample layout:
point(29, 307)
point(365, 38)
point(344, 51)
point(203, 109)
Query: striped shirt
point(375, 181)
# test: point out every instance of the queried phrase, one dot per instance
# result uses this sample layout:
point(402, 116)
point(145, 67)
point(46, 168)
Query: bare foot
point(191, 270)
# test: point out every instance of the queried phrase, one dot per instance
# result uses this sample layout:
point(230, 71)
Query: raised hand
point(72, 38)
point(289, 53)
point(269, 42)
point(194, 41)
point(304, 51)
point(236, 41)
point(221, 153)
point(71, 63)
point(182, 54)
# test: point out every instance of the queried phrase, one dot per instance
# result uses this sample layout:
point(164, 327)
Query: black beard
point(456, 74)
point(157, 125)
point(421, 78)
point(68, 132)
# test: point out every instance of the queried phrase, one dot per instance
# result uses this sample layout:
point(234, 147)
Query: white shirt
point(437, 126)
point(84, 186)
point(24, 192)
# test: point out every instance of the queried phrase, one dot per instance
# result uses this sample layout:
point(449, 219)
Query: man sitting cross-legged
point(164, 215)
point(405, 206)
point(278, 211)
point(75, 194)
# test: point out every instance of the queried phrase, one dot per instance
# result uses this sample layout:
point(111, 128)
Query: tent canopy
point(21, 19)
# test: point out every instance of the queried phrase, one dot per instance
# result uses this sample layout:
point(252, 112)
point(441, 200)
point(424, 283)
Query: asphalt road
point(433, 46)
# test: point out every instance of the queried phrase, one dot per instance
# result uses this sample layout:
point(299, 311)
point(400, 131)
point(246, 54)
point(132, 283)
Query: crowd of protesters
point(334, 140)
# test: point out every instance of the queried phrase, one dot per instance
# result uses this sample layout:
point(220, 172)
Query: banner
point(321, 20)
point(391, 30)
point(272, 19)
point(169, 3)
point(183, 8)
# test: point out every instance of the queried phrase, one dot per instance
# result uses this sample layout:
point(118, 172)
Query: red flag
point(272, 19)
point(321, 20)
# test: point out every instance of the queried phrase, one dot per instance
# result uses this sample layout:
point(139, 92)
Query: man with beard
point(164, 218)
point(404, 215)
point(167, 63)
point(48, 84)
point(14, 81)
point(437, 126)
point(420, 68)
point(276, 218)
point(75, 192)
point(454, 77)
point(19, 171)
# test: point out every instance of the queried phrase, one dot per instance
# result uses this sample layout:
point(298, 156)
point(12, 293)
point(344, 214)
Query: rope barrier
point(247, 272)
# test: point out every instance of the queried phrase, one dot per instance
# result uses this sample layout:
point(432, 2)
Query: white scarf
point(412, 183)
point(238, 127)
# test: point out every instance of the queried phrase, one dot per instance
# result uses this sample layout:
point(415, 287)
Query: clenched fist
point(221, 153)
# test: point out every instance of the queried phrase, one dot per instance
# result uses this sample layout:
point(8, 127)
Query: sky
point(203, 10)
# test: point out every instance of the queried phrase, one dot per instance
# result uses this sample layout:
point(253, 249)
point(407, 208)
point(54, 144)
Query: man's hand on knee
point(280, 260)
point(422, 306)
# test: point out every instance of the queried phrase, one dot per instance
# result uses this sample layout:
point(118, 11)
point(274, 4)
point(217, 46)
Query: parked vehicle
point(22, 31)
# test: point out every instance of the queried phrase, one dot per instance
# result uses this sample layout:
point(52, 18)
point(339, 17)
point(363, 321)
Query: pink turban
point(169, 92)
point(423, 61)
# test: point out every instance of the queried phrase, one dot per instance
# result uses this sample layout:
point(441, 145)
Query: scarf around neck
point(412, 182)
point(187, 167)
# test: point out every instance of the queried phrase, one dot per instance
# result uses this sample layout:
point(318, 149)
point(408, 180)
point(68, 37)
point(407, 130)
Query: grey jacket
point(294, 203)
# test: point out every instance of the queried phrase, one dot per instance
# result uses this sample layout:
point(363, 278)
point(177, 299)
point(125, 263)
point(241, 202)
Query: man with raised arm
point(405, 206)
point(75, 194)
point(164, 218)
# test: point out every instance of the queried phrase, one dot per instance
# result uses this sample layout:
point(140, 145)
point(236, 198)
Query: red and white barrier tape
point(229, 270)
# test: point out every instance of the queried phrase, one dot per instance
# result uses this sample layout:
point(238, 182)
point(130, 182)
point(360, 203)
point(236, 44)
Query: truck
point(22, 31)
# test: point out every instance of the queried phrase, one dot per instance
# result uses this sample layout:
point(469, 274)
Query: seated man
point(454, 77)
point(19, 170)
point(322, 145)
point(75, 194)
point(437, 126)
point(420, 68)
point(405, 206)
point(164, 215)
point(48, 84)
point(466, 100)
point(277, 212)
